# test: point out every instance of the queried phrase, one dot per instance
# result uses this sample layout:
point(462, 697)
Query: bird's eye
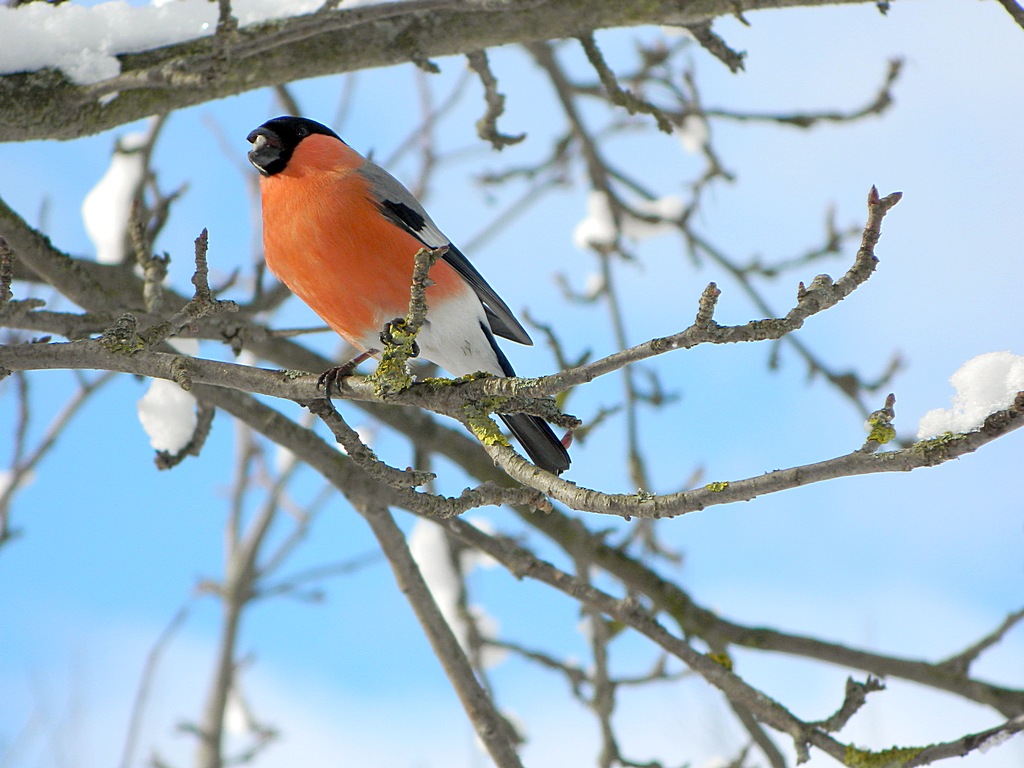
point(301, 131)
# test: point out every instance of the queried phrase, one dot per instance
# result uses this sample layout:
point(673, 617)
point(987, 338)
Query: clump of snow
point(597, 230)
point(429, 547)
point(1000, 736)
point(717, 762)
point(984, 384)
point(284, 460)
point(593, 286)
point(474, 558)
point(185, 345)
point(247, 357)
point(8, 481)
point(107, 207)
point(238, 716)
point(677, 31)
point(693, 133)
point(994, 740)
point(83, 42)
point(168, 414)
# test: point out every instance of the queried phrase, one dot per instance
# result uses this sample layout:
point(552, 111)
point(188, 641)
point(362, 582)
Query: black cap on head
point(275, 140)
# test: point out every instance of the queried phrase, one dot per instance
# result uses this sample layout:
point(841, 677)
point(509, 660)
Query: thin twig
point(618, 95)
point(717, 47)
point(146, 681)
point(961, 662)
point(199, 306)
point(487, 126)
point(361, 453)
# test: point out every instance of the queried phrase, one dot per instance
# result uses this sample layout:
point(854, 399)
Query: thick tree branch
point(345, 476)
point(524, 563)
point(695, 619)
point(452, 399)
point(1015, 10)
point(45, 105)
point(649, 506)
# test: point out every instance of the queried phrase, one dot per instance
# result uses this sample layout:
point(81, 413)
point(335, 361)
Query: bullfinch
point(342, 233)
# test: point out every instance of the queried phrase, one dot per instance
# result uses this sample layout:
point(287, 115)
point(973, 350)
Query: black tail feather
point(533, 433)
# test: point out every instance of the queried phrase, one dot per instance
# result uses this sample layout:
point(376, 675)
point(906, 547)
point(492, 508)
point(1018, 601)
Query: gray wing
point(401, 208)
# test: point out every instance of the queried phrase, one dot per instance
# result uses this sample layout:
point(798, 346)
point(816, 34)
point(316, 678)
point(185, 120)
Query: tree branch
point(1014, 9)
point(487, 126)
point(490, 726)
point(45, 105)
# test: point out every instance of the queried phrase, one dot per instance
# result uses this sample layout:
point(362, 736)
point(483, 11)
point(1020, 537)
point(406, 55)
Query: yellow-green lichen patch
point(881, 431)
point(722, 660)
point(122, 337)
point(717, 487)
point(482, 425)
point(896, 757)
point(391, 377)
point(437, 382)
point(936, 449)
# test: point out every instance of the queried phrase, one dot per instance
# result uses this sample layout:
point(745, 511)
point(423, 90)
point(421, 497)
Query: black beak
point(266, 153)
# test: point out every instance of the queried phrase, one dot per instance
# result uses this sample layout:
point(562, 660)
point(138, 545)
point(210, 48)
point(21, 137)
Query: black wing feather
point(499, 316)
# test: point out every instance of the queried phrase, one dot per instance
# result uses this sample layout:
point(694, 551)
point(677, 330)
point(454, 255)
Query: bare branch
point(961, 663)
point(627, 99)
point(45, 105)
point(199, 306)
point(399, 338)
point(882, 100)
point(487, 126)
point(1015, 10)
point(361, 453)
point(490, 726)
point(716, 46)
point(6, 273)
point(146, 681)
point(856, 697)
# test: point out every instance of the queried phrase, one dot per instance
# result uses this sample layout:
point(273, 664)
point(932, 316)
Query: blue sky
point(918, 564)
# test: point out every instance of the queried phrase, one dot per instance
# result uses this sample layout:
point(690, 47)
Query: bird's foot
point(392, 374)
point(330, 380)
point(395, 334)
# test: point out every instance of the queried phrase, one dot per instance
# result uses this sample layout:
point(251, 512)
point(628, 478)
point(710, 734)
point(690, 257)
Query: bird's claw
point(388, 339)
point(330, 380)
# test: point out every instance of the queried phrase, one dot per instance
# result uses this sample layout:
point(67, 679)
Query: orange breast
point(324, 238)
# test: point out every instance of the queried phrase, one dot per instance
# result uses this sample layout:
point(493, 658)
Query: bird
point(342, 233)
